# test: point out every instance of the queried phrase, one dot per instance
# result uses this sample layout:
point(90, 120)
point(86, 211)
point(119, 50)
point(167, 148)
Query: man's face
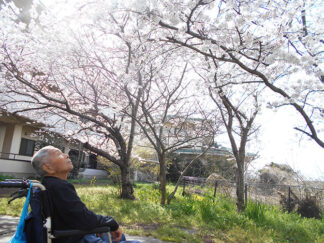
point(60, 162)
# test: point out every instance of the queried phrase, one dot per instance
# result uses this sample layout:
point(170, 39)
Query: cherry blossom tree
point(238, 118)
point(169, 118)
point(252, 43)
point(70, 71)
point(238, 105)
point(278, 43)
point(261, 42)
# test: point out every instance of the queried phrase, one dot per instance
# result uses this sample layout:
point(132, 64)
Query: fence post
point(289, 200)
point(184, 186)
point(245, 194)
point(215, 189)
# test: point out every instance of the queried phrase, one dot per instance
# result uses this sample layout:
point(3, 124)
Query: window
point(27, 147)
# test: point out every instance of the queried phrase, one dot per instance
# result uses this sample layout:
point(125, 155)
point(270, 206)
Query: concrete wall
point(90, 173)
point(16, 168)
point(21, 157)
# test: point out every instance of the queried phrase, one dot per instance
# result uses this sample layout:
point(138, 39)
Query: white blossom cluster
point(86, 53)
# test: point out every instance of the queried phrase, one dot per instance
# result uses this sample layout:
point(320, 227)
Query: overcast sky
point(282, 144)
point(278, 142)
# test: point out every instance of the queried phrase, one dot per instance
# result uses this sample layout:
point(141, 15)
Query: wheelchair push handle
point(23, 186)
point(16, 183)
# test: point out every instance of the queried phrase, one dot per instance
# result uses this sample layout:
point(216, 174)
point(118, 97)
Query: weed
point(93, 181)
point(256, 211)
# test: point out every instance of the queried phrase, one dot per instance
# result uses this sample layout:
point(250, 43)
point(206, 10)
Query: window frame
point(25, 152)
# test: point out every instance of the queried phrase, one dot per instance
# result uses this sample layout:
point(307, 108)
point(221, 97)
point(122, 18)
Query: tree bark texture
point(240, 185)
point(162, 178)
point(127, 187)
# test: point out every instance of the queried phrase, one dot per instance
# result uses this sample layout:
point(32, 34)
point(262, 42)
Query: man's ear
point(47, 168)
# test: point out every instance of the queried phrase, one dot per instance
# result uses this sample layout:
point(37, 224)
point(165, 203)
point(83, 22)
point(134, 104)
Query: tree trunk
point(162, 178)
point(184, 172)
point(127, 187)
point(123, 164)
point(240, 185)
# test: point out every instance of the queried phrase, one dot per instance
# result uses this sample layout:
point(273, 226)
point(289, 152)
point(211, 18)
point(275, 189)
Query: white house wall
point(2, 136)
point(16, 168)
point(16, 138)
point(7, 139)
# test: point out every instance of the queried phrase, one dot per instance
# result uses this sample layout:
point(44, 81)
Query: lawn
point(193, 218)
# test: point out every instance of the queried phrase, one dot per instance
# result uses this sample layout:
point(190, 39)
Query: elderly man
point(68, 211)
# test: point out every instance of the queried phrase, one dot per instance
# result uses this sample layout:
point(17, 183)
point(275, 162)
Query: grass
point(193, 218)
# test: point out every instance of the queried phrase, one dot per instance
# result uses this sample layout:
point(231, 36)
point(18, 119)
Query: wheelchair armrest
point(67, 233)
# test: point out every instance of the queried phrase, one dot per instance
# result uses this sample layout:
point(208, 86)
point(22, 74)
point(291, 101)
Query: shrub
point(308, 208)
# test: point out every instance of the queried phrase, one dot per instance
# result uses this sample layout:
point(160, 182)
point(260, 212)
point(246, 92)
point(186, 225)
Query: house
point(180, 129)
point(21, 137)
point(217, 159)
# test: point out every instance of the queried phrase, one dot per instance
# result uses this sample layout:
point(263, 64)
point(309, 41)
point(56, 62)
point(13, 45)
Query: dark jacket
point(69, 212)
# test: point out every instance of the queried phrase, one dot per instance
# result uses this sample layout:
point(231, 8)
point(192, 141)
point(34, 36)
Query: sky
point(278, 142)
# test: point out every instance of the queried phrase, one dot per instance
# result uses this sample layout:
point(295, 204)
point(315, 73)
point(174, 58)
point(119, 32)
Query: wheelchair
point(38, 224)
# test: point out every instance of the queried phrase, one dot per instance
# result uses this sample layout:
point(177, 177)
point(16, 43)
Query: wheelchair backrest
point(34, 223)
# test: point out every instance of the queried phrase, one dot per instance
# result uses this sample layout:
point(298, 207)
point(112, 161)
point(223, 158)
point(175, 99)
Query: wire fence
point(262, 192)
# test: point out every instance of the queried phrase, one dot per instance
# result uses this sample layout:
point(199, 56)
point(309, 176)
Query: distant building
point(21, 137)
